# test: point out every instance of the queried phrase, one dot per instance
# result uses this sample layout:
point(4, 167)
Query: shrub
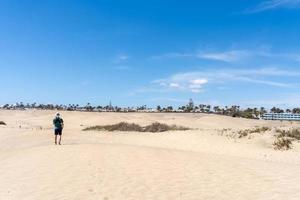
point(244, 133)
point(124, 126)
point(2, 123)
point(293, 133)
point(158, 127)
point(262, 129)
point(282, 144)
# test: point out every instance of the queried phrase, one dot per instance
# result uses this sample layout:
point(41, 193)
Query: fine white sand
point(203, 163)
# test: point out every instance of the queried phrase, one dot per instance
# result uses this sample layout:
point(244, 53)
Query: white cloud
point(182, 82)
point(196, 90)
point(199, 81)
point(266, 72)
point(232, 56)
point(196, 80)
point(229, 56)
point(174, 85)
point(264, 82)
point(196, 85)
point(226, 56)
point(274, 4)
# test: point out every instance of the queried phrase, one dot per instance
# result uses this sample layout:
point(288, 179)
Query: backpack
point(58, 122)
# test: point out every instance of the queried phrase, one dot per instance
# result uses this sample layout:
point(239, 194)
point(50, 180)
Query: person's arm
point(62, 123)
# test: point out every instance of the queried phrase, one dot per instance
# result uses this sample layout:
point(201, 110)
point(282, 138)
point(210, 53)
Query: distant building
point(281, 116)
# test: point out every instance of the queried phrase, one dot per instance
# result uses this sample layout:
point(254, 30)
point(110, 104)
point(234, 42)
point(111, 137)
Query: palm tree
point(158, 108)
point(216, 109)
point(88, 107)
point(208, 107)
point(226, 110)
point(169, 109)
point(296, 110)
point(273, 110)
point(262, 111)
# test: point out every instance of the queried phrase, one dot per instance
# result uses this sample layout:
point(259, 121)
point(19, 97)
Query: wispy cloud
point(182, 82)
point(263, 82)
point(274, 4)
point(195, 81)
point(232, 56)
point(284, 100)
point(227, 56)
point(121, 58)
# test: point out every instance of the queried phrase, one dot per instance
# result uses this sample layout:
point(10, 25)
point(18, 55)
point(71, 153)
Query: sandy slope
point(196, 164)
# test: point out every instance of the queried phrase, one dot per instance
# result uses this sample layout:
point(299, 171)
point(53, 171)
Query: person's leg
point(60, 133)
point(55, 133)
point(59, 140)
point(55, 139)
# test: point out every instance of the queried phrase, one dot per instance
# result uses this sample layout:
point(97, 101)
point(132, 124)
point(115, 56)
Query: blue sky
point(150, 52)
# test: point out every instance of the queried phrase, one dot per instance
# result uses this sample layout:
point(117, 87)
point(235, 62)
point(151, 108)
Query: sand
point(197, 164)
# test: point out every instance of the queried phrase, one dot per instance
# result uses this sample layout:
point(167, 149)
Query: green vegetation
point(124, 126)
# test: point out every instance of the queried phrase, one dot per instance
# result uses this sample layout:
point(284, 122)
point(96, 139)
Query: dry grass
point(158, 127)
point(124, 126)
point(2, 123)
point(285, 138)
point(245, 133)
point(293, 133)
point(282, 144)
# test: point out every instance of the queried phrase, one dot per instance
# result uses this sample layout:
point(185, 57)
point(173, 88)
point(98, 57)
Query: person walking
point(58, 123)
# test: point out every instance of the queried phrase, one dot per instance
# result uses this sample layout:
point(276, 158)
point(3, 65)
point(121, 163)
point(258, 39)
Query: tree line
point(234, 110)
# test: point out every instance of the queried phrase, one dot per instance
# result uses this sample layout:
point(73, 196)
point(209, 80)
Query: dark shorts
point(57, 131)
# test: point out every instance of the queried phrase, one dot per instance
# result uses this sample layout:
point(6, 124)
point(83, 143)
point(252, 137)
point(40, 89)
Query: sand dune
point(196, 164)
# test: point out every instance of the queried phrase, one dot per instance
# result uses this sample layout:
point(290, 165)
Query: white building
point(281, 116)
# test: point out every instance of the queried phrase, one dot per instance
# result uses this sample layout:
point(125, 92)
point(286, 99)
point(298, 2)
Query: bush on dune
point(282, 144)
point(244, 133)
point(124, 126)
point(158, 127)
point(285, 138)
point(2, 123)
point(293, 133)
